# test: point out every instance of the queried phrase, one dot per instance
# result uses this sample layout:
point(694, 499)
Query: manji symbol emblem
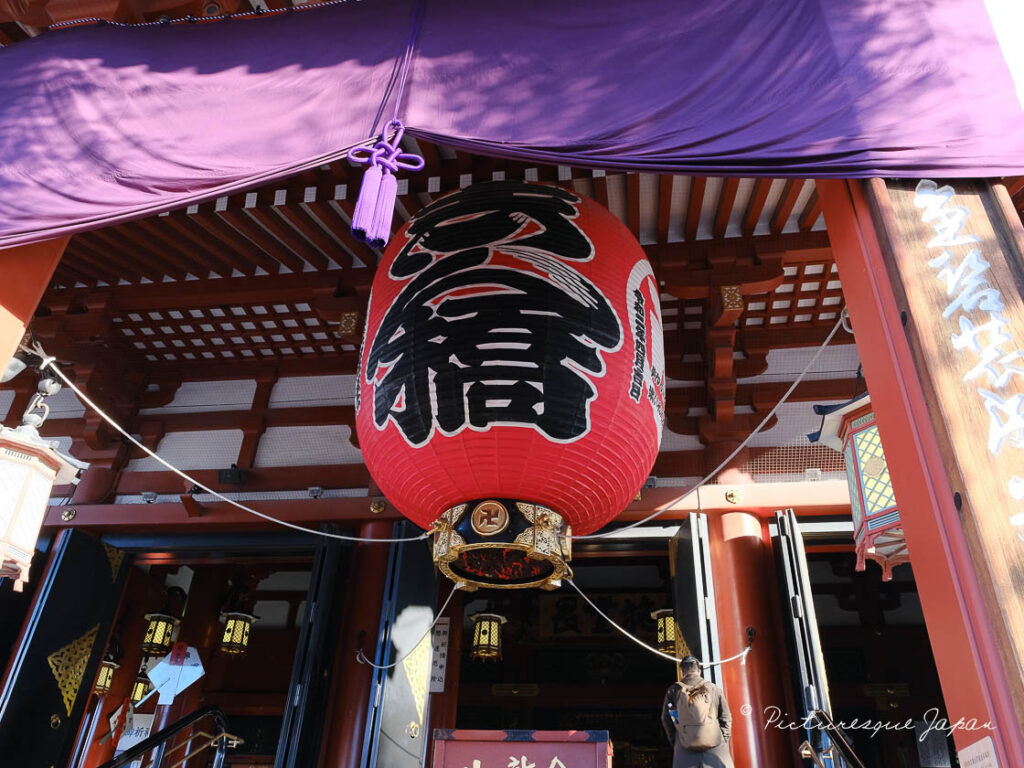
point(489, 518)
point(68, 665)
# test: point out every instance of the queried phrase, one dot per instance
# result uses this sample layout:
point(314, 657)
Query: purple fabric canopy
point(105, 123)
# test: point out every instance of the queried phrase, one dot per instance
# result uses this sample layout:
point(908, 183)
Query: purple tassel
point(371, 220)
point(380, 230)
point(362, 217)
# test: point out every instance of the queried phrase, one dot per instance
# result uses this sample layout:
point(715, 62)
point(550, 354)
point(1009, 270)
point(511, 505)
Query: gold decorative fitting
point(376, 507)
point(348, 323)
point(732, 297)
point(69, 514)
point(734, 496)
point(502, 544)
point(115, 556)
point(55, 721)
point(417, 673)
point(489, 518)
point(68, 666)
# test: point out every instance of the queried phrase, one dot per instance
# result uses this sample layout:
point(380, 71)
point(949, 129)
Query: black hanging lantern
point(487, 636)
point(105, 676)
point(666, 642)
point(160, 632)
point(237, 618)
point(108, 666)
point(237, 626)
point(141, 686)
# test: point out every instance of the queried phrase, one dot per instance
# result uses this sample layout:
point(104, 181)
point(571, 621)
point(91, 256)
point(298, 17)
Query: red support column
point(346, 716)
point(27, 270)
point(963, 644)
point(743, 572)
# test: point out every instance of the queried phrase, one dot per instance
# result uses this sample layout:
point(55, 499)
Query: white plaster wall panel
point(6, 399)
point(794, 422)
point(311, 391)
point(65, 405)
point(673, 441)
point(306, 446)
point(648, 208)
point(202, 449)
point(793, 222)
point(709, 207)
point(209, 396)
point(838, 362)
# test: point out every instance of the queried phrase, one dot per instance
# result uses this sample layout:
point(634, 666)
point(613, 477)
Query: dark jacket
point(717, 757)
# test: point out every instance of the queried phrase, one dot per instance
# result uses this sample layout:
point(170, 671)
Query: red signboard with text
point(521, 749)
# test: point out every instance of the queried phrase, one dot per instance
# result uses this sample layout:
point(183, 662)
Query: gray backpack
point(698, 726)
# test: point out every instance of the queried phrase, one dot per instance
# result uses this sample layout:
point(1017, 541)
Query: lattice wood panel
point(229, 332)
point(810, 293)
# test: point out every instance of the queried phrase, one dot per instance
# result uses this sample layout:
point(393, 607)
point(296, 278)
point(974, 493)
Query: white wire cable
point(49, 362)
point(807, 368)
point(742, 655)
point(361, 657)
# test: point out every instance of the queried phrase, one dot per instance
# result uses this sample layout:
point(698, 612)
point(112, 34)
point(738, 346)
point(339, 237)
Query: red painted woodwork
point(345, 721)
point(586, 470)
point(744, 575)
point(27, 270)
point(963, 645)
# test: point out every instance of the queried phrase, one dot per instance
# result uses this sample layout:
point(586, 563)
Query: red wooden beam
point(755, 206)
point(696, 203)
point(725, 205)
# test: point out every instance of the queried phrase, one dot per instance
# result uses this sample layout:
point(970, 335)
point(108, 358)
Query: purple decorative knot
point(371, 221)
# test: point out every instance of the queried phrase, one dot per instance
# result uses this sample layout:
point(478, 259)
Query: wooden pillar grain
point(743, 571)
point(26, 271)
point(918, 266)
point(347, 710)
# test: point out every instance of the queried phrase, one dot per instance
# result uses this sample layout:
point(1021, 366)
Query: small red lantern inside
point(511, 383)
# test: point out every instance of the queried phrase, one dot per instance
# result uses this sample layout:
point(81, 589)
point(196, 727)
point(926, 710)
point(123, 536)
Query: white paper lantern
point(29, 468)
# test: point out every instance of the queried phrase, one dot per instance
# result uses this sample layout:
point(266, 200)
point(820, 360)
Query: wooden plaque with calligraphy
point(953, 252)
point(521, 749)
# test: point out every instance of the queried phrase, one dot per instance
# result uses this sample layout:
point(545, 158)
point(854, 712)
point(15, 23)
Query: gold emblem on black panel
point(489, 518)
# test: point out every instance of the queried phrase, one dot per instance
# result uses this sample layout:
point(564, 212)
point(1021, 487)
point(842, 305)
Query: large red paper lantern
point(511, 381)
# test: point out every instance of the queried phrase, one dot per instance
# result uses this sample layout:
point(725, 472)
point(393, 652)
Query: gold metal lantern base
point(502, 544)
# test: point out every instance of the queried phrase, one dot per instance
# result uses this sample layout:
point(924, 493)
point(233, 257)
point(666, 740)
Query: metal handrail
point(837, 739)
point(221, 739)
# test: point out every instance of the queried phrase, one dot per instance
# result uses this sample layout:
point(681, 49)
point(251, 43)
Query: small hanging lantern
point(29, 468)
point(141, 686)
point(106, 675)
point(237, 625)
point(851, 429)
point(159, 635)
point(666, 642)
point(237, 618)
point(487, 636)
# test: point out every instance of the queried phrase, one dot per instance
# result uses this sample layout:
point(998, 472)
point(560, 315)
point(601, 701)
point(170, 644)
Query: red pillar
point(965, 651)
point(27, 270)
point(743, 572)
point(347, 710)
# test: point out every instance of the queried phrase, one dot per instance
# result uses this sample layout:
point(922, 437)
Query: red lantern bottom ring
point(502, 544)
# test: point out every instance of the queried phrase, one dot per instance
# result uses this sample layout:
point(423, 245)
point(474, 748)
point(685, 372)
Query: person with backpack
point(697, 721)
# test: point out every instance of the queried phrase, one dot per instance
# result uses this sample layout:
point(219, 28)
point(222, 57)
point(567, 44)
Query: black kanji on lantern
point(472, 343)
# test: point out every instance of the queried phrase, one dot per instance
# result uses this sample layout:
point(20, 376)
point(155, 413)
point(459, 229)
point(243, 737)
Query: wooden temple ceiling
point(269, 284)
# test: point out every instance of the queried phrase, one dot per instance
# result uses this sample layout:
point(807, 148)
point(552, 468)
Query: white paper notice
point(980, 754)
point(171, 679)
point(439, 663)
point(137, 731)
